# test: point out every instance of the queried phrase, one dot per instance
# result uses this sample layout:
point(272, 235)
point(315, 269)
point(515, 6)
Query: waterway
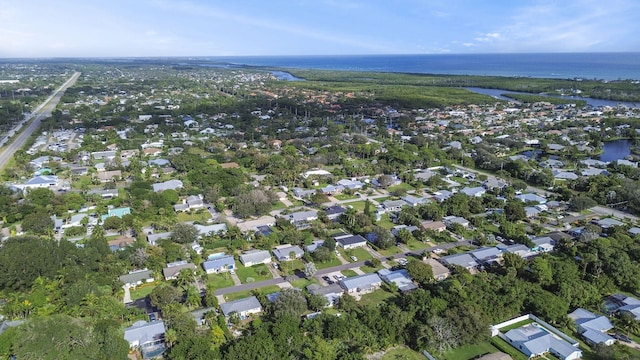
point(616, 150)
point(497, 93)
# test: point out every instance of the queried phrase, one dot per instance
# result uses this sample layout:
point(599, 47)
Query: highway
point(41, 112)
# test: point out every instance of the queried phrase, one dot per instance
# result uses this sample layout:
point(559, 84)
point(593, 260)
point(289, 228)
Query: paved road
point(41, 112)
point(320, 273)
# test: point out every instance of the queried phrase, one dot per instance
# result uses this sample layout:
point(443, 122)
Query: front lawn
point(417, 245)
point(390, 251)
point(253, 274)
point(401, 188)
point(142, 291)
point(220, 281)
point(245, 294)
point(360, 253)
point(349, 273)
point(345, 196)
point(385, 222)
point(303, 283)
point(468, 352)
point(368, 269)
point(331, 263)
point(358, 205)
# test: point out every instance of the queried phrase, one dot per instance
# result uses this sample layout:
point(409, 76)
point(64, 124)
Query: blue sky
point(113, 28)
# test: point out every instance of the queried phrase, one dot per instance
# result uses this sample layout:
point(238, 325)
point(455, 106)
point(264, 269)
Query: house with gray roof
point(543, 244)
point(393, 205)
point(205, 230)
point(302, 193)
point(137, 277)
point(487, 254)
point(167, 185)
point(607, 223)
point(474, 191)
point(219, 265)
point(442, 195)
point(313, 246)
point(399, 277)
point(465, 260)
point(282, 252)
point(152, 239)
point(145, 334)
point(521, 250)
point(450, 220)
point(243, 307)
point(363, 284)
point(349, 241)
point(255, 257)
point(530, 197)
point(173, 269)
point(331, 292)
point(592, 327)
point(533, 340)
point(414, 200)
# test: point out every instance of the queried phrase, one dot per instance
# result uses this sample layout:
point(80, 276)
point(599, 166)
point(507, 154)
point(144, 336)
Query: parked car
point(622, 337)
point(438, 251)
point(354, 258)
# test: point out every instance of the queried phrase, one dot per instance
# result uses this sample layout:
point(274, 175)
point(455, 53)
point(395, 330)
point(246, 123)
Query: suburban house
point(205, 230)
point(529, 197)
point(349, 241)
point(450, 220)
point(487, 255)
point(413, 200)
point(393, 205)
point(607, 223)
point(351, 184)
point(42, 181)
point(255, 257)
point(192, 202)
point(243, 307)
point(399, 277)
point(442, 195)
point(167, 185)
point(543, 244)
point(592, 327)
point(283, 252)
point(173, 269)
point(106, 176)
point(220, 264)
point(433, 225)
point(465, 260)
point(302, 193)
point(474, 191)
point(363, 284)
point(521, 250)
point(301, 219)
point(149, 336)
point(334, 212)
point(152, 239)
point(313, 246)
point(137, 277)
point(533, 340)
point(440, 272)
point(331, 292)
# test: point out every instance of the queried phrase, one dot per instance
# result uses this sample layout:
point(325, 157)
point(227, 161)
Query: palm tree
point(170, 337)
point(185, 278)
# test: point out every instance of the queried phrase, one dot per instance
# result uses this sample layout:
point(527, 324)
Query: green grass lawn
point(402, 353)
point(142, 291)
point(349, 273)
point(505, 347)
point(417, 245)
point(359, 253)
point(390, 251)
point(244, 294)
point(257, 273)
point(376, 297)
point(468, 352)
point(279, 205)
point(333, 262)
point(193, 216)
point(382, 199)
point(220, 281)
point(358, 205)
point(368, 269)
point(385, 222)
point(303, 283)
point(345, 196)
point(401, 187)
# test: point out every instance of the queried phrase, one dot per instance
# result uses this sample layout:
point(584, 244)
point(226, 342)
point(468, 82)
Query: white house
point(255, 257)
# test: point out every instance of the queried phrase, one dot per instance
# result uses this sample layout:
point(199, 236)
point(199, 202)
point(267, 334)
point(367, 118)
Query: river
point(497, 93)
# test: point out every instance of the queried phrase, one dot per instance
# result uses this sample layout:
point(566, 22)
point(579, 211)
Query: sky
point(140, 28)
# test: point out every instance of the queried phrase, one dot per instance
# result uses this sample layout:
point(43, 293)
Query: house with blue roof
point(592, 327)
point(243, 307)
point(533, 340)
point(219, 265)
point(530, 197)
point(145, 334)
point(399, 277)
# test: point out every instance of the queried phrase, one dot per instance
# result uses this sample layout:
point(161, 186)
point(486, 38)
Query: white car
point(354, 258)
point(438, 251)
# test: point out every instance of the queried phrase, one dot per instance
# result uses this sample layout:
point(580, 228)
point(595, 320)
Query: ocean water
point(600, 66)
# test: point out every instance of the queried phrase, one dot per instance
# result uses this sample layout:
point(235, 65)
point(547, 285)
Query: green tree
point(290, 302)
point(420, 272)
point(184, 233)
